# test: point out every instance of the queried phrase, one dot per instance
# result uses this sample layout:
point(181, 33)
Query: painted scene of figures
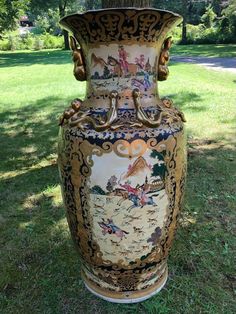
point(122, 67)
point(126, 204)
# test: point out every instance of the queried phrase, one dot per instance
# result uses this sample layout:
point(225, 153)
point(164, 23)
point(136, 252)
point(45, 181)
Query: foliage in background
point(48, 22)
point(207, 21)
point(63, 7)
point(31, 42)
point(208, 17)
point(210, 21)
point(10, 11)
point(228, 21)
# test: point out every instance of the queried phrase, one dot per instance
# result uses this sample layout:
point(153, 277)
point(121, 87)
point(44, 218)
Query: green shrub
point(209, 36)
point(28, 41)
point(31, 41)
point(4, 45)
point(199, 34)
point(194, 32)
point(176, 34)
point(51, 41)
point(14, 43)
point(38, 43)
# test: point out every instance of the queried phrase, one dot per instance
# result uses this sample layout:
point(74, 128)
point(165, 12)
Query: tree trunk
point(185, 7)
point(126, 3)
point(65, 33)
point(66, 39)
point(184, 32)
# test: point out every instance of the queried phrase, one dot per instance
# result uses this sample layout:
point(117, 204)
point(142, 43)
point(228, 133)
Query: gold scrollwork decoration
point(109, 25)
point(134, 149)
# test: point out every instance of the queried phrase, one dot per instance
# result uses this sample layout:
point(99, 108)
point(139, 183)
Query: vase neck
point(122, 67)
point(121, 49)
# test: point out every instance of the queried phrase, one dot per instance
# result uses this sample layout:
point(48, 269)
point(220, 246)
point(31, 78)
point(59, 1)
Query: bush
point(4, 45)
point(31, 41)
point(51, 41)
point(176, 34)
point(209, 36)
point(28, 41)
point(14, 43)
point(194, 32)
point(199, 34)
point(38, 43)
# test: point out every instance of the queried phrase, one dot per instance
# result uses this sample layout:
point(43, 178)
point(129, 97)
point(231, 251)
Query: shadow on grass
point(204, 50)
point(26, 58)
point(182, 101)
point(29, 134)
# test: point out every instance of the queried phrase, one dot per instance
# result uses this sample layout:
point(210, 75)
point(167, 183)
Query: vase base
point(128, 296)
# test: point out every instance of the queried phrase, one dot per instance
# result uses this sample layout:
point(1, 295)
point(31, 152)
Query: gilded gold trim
point(128, 294)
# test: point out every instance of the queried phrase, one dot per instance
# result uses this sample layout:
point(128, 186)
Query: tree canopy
point(216, 18)
point(10, 12)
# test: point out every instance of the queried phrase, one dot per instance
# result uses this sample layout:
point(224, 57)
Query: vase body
point(122, 154)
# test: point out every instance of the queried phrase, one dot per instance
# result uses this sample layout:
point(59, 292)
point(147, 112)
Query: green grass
point(39, 265)
point(205, 50)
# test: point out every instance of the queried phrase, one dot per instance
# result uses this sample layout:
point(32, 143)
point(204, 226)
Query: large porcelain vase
point(122, 152)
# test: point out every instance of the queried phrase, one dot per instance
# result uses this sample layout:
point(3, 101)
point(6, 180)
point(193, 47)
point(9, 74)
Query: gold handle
point(163, 70)
point(78, 59)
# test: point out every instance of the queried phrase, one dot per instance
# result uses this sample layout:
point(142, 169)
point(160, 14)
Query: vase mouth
point(130, 11)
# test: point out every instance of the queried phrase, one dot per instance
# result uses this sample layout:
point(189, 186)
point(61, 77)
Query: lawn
point(39, 266)
point(219, 50)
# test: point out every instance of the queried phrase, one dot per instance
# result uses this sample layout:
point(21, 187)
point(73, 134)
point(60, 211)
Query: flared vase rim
point(78, 14)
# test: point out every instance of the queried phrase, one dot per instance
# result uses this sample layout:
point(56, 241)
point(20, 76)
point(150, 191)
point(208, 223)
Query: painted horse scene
point(125, 204)
point(123, 67)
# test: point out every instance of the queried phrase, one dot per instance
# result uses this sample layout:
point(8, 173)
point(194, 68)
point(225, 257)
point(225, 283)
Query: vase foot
point(128, 296)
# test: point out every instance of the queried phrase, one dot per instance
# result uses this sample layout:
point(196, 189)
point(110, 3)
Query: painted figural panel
point(126, 204)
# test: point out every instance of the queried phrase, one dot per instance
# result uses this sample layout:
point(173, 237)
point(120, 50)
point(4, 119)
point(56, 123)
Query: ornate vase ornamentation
point(122, 158)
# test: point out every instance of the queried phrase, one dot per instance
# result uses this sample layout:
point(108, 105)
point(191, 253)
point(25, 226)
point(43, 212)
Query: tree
point(49, 21)
point(191, 10)
point(63, 6)
point(228, 22)
point(10, 12)
point(62, 12)
point(219, 5)
point(208, 17)
point(178, 6)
